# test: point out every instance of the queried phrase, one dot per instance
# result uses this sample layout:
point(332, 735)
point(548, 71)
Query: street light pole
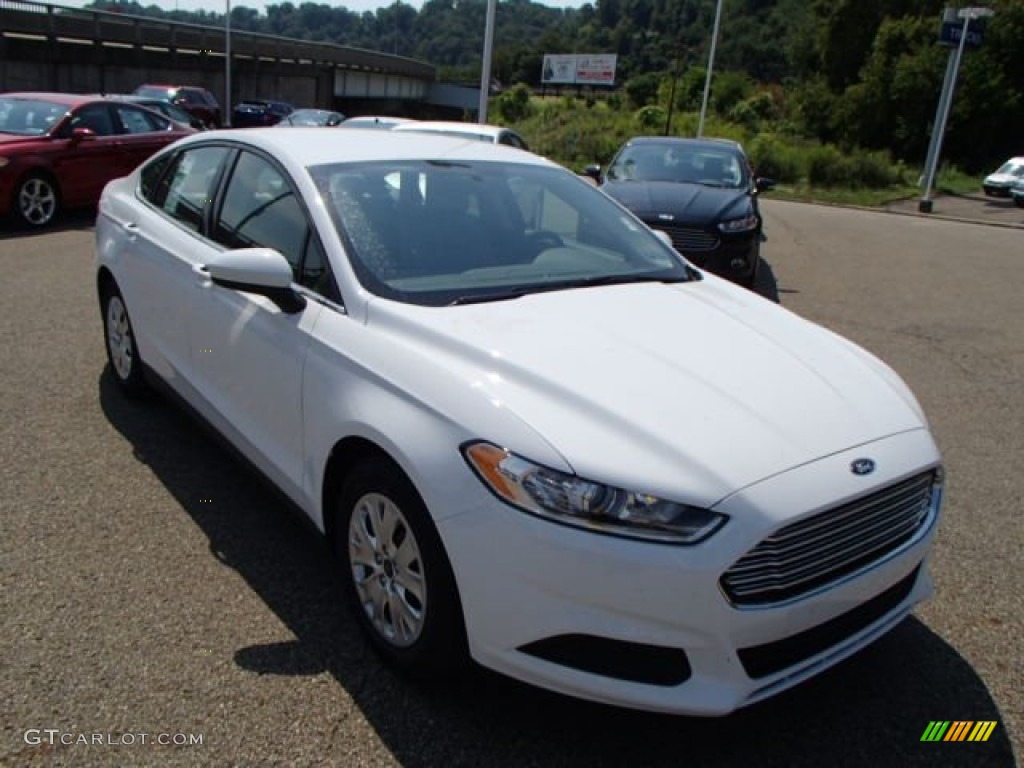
point(227, 64)
point(711, 66)
point(945, 104)
point(485, 72)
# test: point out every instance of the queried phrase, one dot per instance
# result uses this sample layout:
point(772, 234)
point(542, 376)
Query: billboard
point(578, 69)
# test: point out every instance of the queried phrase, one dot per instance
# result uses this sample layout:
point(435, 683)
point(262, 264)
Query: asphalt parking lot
point(998, 211)
point(151, 585)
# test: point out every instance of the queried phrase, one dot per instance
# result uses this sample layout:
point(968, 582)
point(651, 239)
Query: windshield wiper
point(592, 282)
point(568, 285)
point(481, 298)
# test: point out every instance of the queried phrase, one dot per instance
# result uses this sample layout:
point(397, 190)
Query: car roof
point(451, 126)
point(357, 120)
point(309, 146)
point(681, 141)
point(172, 87)
point(70, 99)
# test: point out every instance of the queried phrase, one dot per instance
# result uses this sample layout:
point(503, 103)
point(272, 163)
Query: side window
point(151, 175)
point(95, 117)
point(186, 190)
point(261, 210)
point(136, 121)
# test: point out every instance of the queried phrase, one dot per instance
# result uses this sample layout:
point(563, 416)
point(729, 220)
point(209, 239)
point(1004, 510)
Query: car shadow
point(870, 710)
point(765, 282)
point(76, 220)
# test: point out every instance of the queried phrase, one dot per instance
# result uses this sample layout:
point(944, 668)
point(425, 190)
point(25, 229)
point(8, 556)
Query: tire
point(395, 573)
point(119, 341)
point(36, 200)
point(1019, 202)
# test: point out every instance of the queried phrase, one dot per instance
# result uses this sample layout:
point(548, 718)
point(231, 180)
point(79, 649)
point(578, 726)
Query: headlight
point(3, 161)
point(739, 225)
point(572, 500)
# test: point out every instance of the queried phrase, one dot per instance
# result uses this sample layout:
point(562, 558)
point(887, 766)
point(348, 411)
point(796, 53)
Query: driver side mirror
point(593, 172)
point(81, 134)
point(257, 270)
point(763, 185)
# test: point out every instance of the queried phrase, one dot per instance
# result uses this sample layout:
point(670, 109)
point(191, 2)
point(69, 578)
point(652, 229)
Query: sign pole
point(485, 73)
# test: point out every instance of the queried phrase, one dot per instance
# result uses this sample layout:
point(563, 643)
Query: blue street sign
point(951, 31)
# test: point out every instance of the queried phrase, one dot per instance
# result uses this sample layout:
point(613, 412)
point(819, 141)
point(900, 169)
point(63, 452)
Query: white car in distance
point(534, 434)
point(491, 134)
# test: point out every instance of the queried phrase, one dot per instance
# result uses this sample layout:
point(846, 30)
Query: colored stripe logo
point(958, 730)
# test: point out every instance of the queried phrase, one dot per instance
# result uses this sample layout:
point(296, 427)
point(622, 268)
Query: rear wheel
point(122, 353)
point(396, 574)
point(36, 200)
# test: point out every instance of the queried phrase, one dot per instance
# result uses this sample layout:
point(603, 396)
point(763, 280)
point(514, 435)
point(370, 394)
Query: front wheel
point(36, 200)
point(122, 352)
point(396, 574)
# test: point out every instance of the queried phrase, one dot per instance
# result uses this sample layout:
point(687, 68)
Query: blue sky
point(353, 5)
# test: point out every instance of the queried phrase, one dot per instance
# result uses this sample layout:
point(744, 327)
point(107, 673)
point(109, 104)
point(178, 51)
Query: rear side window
point(137, 121)
point(186, 190)
point(151, 175)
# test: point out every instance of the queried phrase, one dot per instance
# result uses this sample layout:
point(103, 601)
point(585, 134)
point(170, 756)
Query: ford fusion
point(700, 192)
point(465, 364)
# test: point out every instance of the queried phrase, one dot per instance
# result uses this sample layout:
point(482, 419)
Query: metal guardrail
point(24, 17)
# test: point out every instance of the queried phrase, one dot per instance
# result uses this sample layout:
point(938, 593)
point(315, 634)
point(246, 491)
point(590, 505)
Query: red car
point(59, 150)
point(193, 99)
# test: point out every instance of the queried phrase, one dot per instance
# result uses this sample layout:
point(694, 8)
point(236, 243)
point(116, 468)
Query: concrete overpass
point(56, 48)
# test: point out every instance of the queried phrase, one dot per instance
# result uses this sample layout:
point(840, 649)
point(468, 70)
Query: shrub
point(514, 104)
point(643, 89)
point(828, 167)
point(774, 159)
point(650, 118)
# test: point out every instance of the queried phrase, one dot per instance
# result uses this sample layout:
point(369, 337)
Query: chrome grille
point(811, 553)
point(686, 239)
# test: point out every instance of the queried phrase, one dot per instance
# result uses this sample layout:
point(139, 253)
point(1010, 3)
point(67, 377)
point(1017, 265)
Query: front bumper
point(534, 592)
point(733, 256)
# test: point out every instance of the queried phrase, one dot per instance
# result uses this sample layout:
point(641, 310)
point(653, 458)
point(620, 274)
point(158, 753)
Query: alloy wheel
point(387, 570)
point(119, 338)
point(37, 201)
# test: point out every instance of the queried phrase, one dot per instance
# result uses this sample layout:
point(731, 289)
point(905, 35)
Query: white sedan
point(535, 435)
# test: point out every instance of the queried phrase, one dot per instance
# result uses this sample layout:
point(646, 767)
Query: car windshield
point(29, 117)
point(438, 233)
point(1011, 168)
point(708, 165)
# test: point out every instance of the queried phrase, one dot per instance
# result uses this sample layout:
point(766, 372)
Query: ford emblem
point(862, 466)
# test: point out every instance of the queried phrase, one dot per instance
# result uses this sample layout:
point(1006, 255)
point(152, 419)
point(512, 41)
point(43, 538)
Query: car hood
point(685, 202)
point(691, 391)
